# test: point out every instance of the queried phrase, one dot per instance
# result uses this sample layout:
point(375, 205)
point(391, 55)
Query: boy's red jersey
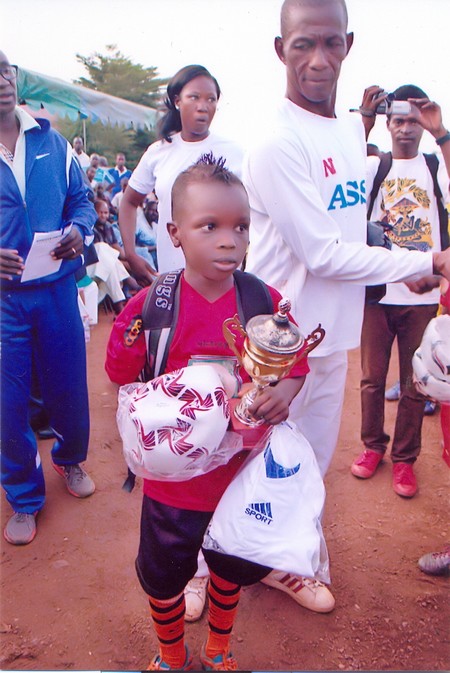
point(199, 331)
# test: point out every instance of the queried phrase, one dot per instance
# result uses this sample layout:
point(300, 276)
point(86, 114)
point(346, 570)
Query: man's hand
point(441, 263)
point(70, 247)
point(429, 115)
point(11, 264)
point(372, 97)
point(141, 270)
point(424, 285)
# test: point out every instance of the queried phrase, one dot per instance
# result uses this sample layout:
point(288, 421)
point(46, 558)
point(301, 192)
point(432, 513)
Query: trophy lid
point(275, 333)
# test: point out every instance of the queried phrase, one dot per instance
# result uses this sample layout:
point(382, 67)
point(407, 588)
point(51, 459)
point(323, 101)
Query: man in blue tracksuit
point(41, 190)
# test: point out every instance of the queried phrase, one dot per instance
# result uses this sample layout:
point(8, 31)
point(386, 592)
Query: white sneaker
point(309, 593)
point(195, 597)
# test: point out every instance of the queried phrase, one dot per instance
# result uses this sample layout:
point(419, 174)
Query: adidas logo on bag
point(261, 511)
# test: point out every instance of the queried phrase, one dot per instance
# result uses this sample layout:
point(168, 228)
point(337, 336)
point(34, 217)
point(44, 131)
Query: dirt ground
point(71, 600)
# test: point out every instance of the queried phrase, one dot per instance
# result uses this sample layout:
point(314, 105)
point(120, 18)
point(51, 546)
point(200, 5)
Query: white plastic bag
point(174, 427)
point(270, 513)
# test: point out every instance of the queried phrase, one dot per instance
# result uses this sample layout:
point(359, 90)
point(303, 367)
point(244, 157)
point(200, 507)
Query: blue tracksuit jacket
point(55, 196)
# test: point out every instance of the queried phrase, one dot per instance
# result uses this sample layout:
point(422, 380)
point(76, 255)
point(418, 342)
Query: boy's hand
point(272, 404)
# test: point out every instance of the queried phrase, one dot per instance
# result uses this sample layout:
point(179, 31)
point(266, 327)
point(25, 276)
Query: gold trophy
point(272, 346)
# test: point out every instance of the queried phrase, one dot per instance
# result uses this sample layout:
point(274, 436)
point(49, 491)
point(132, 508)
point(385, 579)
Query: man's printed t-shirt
point(198, 332)
point(406, 201)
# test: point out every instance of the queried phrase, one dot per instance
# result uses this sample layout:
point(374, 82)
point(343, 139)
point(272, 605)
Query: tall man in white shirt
point(306, 185)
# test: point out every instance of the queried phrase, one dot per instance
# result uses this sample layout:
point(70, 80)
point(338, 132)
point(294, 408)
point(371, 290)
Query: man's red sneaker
point(366, 464)
point(404, 480)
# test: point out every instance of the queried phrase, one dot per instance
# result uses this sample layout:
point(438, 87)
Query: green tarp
point(70, 100)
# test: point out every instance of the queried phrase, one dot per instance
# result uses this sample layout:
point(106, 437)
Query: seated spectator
point(103, 178)
point(117, 198)
point(109, 272)
point(145, 239)
point(103, 230)
point(94, 159)
point(146, 229)
point(90, 174)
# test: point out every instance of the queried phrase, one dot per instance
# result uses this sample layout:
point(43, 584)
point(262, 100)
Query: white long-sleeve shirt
point(306, 185)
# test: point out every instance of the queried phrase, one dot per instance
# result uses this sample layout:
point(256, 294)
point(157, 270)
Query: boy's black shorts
point(169, 544)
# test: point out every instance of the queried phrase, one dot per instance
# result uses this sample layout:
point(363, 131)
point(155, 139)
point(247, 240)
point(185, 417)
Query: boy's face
point(212, 228)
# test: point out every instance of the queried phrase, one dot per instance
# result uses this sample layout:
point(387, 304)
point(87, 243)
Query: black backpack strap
point(157, 311)
point(158, 318)
point(433, 165)
point(383, 170)
point(253, 296)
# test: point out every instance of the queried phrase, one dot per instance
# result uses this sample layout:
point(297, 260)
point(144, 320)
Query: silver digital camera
point(390, 106)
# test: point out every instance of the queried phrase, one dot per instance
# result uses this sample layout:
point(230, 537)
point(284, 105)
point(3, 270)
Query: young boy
point(211, 218)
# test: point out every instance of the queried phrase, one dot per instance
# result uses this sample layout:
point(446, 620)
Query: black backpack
point(376, 292)
point(160, 312)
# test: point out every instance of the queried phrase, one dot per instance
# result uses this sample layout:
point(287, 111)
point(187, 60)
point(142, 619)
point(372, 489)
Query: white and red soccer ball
point(431, 361)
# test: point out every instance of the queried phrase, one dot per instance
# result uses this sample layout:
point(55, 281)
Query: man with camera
point(406, 191)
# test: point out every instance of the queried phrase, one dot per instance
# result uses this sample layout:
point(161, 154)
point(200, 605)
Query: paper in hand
point(39, 262)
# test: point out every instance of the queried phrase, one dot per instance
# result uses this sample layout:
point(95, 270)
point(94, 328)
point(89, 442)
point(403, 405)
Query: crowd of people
point(293, 211)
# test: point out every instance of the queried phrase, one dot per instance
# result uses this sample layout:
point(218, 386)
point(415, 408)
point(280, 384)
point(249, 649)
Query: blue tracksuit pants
point(41, 322)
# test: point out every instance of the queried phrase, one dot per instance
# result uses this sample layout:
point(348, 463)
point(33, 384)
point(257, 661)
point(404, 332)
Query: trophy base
point(253, 436)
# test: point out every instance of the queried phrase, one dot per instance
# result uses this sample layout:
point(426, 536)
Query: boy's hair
point(206, 169)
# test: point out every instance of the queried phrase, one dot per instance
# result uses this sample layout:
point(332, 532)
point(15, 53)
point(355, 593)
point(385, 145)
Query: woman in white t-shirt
point(191, 103)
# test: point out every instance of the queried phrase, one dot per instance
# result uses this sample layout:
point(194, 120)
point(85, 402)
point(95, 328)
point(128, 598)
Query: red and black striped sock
point(168, 621)
point(223, 603)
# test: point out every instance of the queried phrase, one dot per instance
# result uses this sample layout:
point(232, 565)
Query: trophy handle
point(311, 341)
point(228, 326)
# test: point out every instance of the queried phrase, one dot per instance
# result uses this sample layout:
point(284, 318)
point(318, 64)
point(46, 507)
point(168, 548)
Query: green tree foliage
point(115, 74)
